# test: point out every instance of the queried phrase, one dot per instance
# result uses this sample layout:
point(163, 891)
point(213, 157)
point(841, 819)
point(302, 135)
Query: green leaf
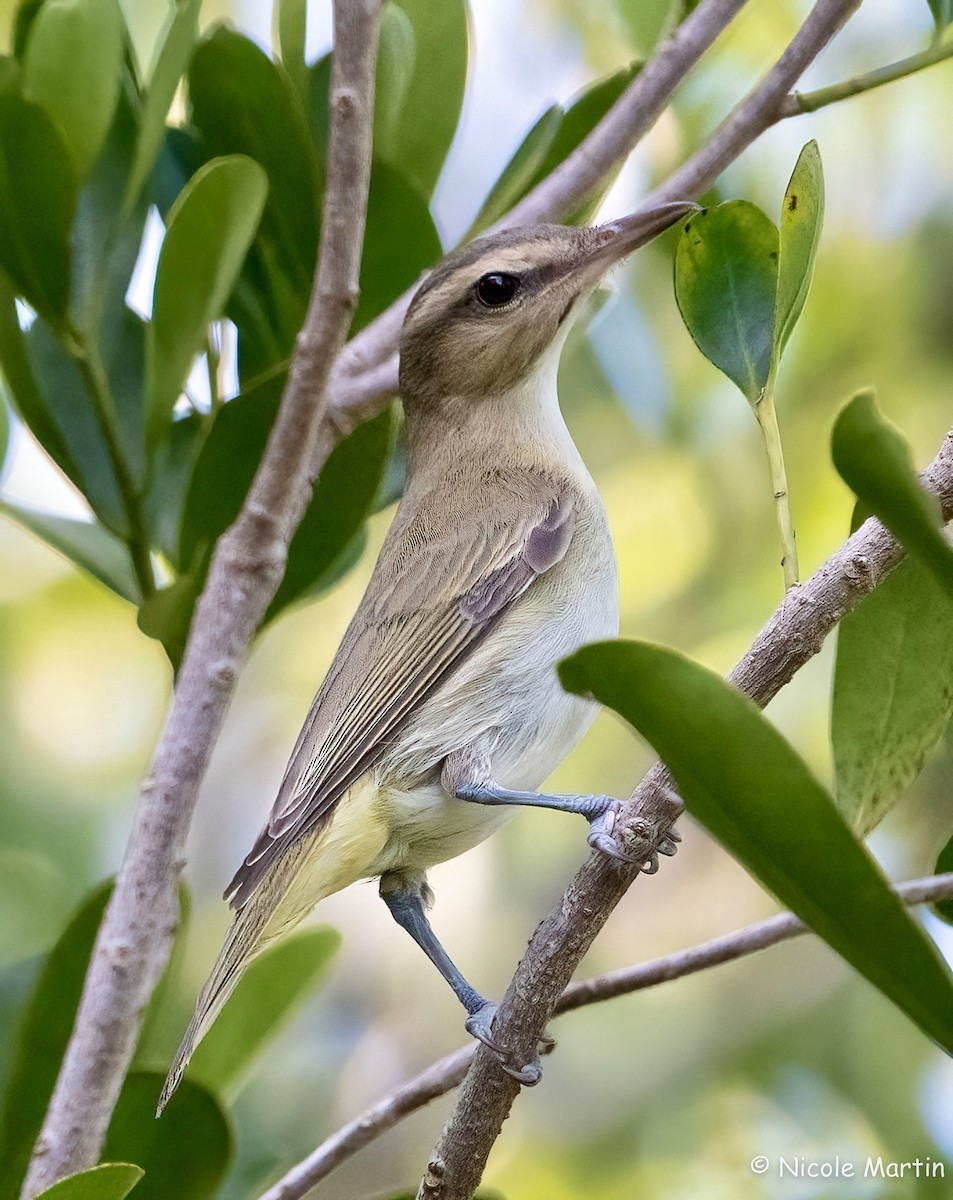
point(37, 199)
point(210, 228)
point(242, 103)
point(874, 460)
point(726, 273)
point(24, 393)
point(166, 615)
point(802, 215)
point(400, 242)
point(185, 1154)
point(433, 95)
point(106, 246)
point(396, 59)
point(26, 14)
point(942, 13)
point(273, 986)
point(68, 401)
point(10, 73)
point(291, 22)
point(42, 1038)
point(343, 499)
point(4, 430)
point(172, 468)
point(34, 902)
point(176, 47)
point(86, 543)
point(892, 692)
point(746, 785)
point(72, 67)
point(578, 121)
point(163, 1023)
point(226, 466)
point(519, 174)
point(109, 1181)
point(944, 865)
point(647, 21)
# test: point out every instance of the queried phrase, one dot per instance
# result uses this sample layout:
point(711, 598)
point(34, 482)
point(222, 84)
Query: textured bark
point(140, 921)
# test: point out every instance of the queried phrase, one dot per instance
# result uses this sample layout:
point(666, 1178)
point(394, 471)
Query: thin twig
point(563, 937)
point(445, 1074)
point(807, 102)
point(140, 921)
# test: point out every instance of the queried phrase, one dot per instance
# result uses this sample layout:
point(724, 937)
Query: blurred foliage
point(134, 408)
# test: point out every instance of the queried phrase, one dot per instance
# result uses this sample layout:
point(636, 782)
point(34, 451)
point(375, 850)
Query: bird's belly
point(426, 827)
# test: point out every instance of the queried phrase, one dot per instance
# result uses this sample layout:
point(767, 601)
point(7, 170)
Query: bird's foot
point(480, 1025)
point(602, 837)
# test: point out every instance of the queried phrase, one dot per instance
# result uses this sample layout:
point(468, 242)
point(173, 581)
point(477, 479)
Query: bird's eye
point(496, 289)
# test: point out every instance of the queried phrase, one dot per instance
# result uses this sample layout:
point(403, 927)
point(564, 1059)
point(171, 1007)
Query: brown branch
point(136, 933)
point(445, 1074)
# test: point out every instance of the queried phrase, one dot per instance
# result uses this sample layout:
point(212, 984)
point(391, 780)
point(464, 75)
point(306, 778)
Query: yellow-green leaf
point(802, 215)
point(108, 1181)
point(747, 786)
point(210, 228)
point(72, 67)
point(874, 460)
point(37, 201)
point(269, 991)
point(893, 691)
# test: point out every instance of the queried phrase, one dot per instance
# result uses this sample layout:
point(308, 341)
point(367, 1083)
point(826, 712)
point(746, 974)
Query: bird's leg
point(599, 811)
point(405, 899)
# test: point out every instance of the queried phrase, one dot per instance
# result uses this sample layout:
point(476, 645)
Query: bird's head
point(483, 319)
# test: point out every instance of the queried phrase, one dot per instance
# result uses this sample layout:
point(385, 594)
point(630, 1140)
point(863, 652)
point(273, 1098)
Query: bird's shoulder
point(453, 533)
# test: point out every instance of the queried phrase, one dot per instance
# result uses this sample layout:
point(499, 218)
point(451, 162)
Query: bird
point(441, 712)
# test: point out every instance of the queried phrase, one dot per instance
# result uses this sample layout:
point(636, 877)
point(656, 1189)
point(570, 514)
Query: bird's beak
point(620, 237)
point(625, 234)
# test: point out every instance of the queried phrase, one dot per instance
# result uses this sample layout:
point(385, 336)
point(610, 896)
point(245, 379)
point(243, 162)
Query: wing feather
point(436, 592)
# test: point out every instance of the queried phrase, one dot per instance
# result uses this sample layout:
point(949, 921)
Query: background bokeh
point(672, 1092)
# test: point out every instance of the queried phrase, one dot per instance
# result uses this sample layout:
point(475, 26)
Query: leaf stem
point(213, 359)
point(805, 102)
point(767, 416)
point(86, 356)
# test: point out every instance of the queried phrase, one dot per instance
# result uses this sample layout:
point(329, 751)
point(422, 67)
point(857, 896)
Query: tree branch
point(445, 1074)
point(136, 933)
point(792, 636)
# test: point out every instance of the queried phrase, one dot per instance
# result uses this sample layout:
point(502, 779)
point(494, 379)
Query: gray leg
point(407, 908)
point(599, 811)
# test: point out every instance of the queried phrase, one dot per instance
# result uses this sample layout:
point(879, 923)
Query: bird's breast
point(506, 696)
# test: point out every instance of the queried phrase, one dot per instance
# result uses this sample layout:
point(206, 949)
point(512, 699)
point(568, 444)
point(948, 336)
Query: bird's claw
point(602, 838)
point(479, 1025)
point(600, 834)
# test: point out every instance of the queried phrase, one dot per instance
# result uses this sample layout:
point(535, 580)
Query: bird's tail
point(275, 906)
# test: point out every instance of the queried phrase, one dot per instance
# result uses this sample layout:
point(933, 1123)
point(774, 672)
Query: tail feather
point(318, 863)
point(273, 908)
point(242, 943)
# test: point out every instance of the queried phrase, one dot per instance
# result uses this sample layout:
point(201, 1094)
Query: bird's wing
point(436, 592)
